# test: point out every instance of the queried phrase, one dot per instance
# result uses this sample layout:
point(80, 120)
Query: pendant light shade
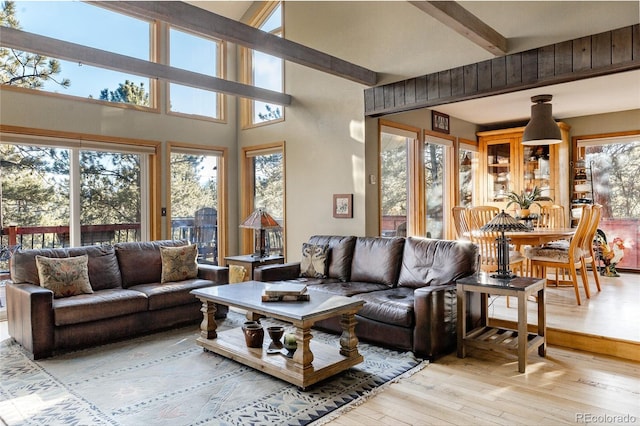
point(542, 128)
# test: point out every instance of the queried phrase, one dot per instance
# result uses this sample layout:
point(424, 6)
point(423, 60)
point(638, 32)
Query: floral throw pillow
point(314, 260)
point(179, 263)
point(65, 276)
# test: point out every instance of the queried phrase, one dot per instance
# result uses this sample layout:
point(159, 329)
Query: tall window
point(263, 70)
point(614, 163)
point(84, 24)
point(395, 144)
point(71, 193)
point(467, 163)
point(195, 207)
point(265, 180)
point(198, 54)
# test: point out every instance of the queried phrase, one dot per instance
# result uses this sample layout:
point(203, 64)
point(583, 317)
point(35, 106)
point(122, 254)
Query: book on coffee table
point(285, 289)
point(286, 298)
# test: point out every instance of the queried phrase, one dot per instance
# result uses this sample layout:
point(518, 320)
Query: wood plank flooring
point(485, 388)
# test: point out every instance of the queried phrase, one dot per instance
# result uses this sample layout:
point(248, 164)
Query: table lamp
point(259, 221)
point(503, 222)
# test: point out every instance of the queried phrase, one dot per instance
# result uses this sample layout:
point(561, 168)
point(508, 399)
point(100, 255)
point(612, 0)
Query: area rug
point(166, 379)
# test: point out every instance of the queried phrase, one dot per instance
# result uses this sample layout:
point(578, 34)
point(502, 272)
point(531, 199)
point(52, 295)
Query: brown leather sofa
point(408, 285)
point(128, 298)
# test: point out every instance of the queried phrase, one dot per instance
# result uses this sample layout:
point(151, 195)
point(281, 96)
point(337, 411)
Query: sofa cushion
point(428, 262)
point(133, 255)
point(171, 294)
point(64, 276)
point(377, 260)
point(104, 271)
point(391, 306)
point(179, 263)
point(101, 304)
point(346, 289)
point(314, 260)
point(340, 254)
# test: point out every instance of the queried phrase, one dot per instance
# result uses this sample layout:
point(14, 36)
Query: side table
point(251, 262)
point(519, 341)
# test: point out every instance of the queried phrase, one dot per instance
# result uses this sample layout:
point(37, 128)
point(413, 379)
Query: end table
point(250, 262)
point(519, 341)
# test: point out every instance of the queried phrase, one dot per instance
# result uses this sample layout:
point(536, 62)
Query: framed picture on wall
point(343, 206)
point(439, 122)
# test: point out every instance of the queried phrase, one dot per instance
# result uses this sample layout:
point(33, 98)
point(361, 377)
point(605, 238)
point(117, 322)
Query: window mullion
point(74, 198)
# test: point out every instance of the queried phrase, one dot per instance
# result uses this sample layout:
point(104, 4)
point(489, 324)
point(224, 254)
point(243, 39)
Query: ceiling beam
point(21, 40)
point(465, 23)
point(207, 23)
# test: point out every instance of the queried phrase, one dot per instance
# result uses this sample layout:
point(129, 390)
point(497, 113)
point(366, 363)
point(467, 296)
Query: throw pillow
point(179, 263)
point(65, 276)
point(314, 260)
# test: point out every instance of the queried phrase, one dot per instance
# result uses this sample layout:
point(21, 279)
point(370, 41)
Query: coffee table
point(312, 361)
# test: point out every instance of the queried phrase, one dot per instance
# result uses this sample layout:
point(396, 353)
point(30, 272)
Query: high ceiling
point(423, 45)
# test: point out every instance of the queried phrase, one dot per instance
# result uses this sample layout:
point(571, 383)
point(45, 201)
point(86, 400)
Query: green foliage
point(24, 69)
point(271, 114)
point(393, 161)
point(526, 199)
point(188, 191)
point(128, 93)
point(269, 184)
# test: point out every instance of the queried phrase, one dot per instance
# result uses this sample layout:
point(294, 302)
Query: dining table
point(539, 236)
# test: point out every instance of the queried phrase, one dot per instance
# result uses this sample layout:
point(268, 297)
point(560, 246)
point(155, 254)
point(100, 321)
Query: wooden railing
point(36, 237)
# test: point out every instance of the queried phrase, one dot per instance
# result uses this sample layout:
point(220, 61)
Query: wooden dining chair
point(588, 254)
point(570, 259)
point(461, 222)
point(480, 215)
point(488, 250)
point(552, 217)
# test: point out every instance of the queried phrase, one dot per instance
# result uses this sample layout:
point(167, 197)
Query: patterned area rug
point(165, 379)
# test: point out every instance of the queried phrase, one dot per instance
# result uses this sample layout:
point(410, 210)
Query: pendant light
point(542, 128)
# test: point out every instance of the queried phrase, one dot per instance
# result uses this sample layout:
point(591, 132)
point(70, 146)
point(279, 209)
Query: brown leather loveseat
point(408, 285)
point(128, 298)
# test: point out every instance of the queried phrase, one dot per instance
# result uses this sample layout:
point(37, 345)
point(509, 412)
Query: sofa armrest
point(278, 272)
point(436, 320)
point(30, 318)
point(217, 274)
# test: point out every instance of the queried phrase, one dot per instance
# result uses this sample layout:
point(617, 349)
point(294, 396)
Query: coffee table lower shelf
point(327, 360)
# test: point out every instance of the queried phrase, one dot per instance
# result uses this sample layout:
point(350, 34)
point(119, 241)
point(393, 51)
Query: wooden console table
point(519, 341)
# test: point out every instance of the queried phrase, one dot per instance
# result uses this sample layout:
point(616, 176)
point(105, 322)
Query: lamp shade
point(542, 128)
point(260, 219)
point(503, 222)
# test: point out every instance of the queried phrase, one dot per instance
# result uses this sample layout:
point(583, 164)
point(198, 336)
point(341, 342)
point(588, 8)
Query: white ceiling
point(429, 46)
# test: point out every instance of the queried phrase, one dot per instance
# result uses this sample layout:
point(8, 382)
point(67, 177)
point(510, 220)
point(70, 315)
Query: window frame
point(247, 182)
point(223, 154)
point(247, 106)
point(75, 142)
point(221, 72)
point(154, 54)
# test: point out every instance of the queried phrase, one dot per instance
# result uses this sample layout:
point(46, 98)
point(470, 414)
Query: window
point(64, 192)
point(395, 143)
point(264, 175)
point(437, 166)
point(84, 24)
point(198, 54)
point(467, 163)
point(195, 201)
point(263, 70)
point(613, 162)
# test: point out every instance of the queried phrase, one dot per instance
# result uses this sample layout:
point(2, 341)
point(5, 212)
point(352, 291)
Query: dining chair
point(461, 222)
point(480, 215)
point(488, 251)
point(552, 217)
point(570, 259)
point(588, 254)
